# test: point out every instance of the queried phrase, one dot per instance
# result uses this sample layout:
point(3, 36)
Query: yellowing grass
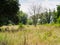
point(39, 35)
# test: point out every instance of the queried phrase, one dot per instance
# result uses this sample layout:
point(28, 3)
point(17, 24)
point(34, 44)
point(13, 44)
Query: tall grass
point(39, 35)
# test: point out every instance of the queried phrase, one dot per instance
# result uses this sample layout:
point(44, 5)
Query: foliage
point(54, 16)
point(8, 11)
point(34, 18)
point(49, 16)
point(45, 17)
point(22, 17)
point(58, 20)
point(21, 25)
point(29, 21)
point(58, 14)
point(58, 11)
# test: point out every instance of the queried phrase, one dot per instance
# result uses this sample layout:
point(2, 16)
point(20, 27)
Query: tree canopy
point(22, 17)
point(8, 11)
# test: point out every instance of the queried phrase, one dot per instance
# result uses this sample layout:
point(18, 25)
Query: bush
point(21, 25)
point(8, 11)
point(30, 22)
point(58, 20)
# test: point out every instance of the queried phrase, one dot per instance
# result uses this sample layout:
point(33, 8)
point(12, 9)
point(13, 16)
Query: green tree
point(22, 17)
point(49, 16)
point(34, 18)
point(45, 17)
point(8, 11)
point(58, 20)
point(29, 22)
point(58, 11)
point(54, 16)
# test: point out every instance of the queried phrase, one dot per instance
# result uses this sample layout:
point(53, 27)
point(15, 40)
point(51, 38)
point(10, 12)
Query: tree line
point(10, 14)
point(46, 16)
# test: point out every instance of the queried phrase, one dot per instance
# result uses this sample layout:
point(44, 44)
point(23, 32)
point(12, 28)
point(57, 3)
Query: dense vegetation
point(8, 11)
point(10, 14)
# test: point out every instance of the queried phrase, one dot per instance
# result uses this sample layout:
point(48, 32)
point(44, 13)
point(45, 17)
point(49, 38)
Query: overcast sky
point(25, 4)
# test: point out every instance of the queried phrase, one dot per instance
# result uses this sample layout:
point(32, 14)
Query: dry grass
point(39, 35)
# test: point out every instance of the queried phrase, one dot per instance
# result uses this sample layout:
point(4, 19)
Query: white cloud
point(50, 5)
point(45, 3)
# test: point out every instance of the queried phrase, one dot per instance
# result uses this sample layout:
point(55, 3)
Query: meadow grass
point(31, 35)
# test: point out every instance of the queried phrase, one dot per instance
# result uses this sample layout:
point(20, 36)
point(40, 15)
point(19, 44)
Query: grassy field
point(30, 35)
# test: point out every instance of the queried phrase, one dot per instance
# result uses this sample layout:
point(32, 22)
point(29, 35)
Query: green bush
point(21, 25)
point(58, 20)
point(30, 22)
point(57, 25)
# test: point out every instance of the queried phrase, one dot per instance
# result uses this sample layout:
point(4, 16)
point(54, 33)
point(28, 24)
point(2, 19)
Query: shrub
point(58, 20)
point(21, 25)
point(30, 22)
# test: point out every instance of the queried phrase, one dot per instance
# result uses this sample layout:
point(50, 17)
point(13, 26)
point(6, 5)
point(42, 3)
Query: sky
point(26, 4)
